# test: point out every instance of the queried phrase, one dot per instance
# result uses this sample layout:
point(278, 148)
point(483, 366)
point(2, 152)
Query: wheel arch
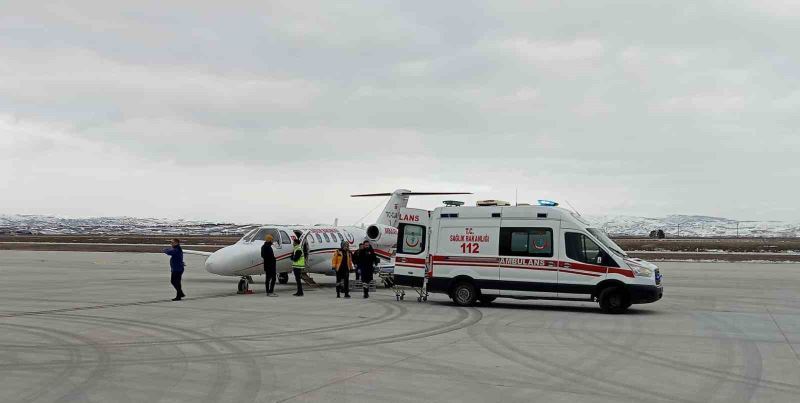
point(606, 284)
point(461, 279)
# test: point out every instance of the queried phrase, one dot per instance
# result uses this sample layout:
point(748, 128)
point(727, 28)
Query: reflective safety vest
point(301, 262)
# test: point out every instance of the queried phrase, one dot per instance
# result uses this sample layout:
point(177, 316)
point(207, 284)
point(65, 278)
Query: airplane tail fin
point(397, 200)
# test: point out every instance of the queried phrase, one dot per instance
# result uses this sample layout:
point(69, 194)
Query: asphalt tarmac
point(99, 327)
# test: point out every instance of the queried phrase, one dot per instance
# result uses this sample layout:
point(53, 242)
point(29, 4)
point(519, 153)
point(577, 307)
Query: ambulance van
point(525, 252)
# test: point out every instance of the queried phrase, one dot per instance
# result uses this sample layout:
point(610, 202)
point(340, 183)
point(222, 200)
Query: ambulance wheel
point(486, 300)
point(283, 278)
point(464, 294)
point(614, 300)
point(243, 286)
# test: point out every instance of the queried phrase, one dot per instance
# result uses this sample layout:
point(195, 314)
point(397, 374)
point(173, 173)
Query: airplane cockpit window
point(261, 234)
point(285, 238)
point(248, 236)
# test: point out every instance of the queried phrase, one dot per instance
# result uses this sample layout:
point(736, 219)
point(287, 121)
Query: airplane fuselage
point(244, 257)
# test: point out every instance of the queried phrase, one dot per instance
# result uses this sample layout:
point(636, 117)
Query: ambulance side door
point(582, 264)
point(528, 257)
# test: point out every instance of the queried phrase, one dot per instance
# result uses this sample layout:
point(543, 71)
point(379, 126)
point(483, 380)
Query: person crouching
point(342, 263)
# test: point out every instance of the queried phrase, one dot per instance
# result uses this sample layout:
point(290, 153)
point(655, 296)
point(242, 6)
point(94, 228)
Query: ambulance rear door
point(412, 247)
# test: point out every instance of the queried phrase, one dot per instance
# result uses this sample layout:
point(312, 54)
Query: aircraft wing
point(196, 252)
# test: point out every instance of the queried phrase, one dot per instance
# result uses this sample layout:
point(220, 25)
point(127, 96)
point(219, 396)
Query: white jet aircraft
point(243, 259)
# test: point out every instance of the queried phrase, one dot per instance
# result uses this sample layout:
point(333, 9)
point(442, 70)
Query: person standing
point(342, 263)
point(298, 264)
point(366, 259)
point(269, 265)
point(176, 267)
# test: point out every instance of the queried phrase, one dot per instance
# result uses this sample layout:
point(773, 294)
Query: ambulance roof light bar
point(547, 203)
point(453, 203)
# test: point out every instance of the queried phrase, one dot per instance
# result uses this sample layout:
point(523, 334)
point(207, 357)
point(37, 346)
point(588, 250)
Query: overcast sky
point(276, 111)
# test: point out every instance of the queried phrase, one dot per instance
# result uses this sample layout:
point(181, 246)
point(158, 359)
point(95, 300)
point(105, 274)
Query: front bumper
point(645, 294)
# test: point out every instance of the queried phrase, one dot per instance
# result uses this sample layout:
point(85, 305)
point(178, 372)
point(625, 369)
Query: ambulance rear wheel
point(614, 300)
point(283, 278)
point(464, 294)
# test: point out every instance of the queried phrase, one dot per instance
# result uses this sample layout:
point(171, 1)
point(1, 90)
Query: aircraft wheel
point(283, 278)
point(243, 286)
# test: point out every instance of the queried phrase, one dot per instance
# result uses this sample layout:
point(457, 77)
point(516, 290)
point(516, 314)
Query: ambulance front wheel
point(283, 278)
point(464, 294)
point(614, 300)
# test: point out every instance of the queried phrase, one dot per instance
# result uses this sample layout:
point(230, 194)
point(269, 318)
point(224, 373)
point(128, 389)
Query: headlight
point(640, 271)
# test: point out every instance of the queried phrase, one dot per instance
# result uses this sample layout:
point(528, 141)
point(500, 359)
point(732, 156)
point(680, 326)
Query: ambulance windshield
point(602, 237)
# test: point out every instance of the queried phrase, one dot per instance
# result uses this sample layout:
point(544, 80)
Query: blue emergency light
point(547, 203)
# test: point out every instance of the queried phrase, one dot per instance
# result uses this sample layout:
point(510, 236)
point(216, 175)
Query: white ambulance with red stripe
point(526, 252)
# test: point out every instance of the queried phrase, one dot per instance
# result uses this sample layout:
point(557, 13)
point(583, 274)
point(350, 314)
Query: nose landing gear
point(244, 285)
point(283, 278)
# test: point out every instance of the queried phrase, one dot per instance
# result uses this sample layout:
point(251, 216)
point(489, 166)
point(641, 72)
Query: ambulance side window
point(536, 242)
point(412, 239)
point(581, 248)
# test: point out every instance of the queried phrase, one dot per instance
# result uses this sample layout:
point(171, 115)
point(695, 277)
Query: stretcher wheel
point(425, 299)
point(401, 297)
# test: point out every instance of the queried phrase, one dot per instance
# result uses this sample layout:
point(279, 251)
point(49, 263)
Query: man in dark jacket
point(176, 267)
point(269, 266)
point(366, 259)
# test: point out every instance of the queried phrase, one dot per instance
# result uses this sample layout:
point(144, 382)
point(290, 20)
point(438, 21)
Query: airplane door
point(412, 247)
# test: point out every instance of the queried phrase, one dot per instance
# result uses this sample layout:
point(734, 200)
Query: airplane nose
point(211, 263)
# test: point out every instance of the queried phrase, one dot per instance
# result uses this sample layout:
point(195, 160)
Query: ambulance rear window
point(412, 239)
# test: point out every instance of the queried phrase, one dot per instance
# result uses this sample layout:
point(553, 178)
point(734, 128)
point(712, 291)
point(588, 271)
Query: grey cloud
point(653, 107)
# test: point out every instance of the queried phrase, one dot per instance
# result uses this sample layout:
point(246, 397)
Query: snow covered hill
point(49, 225)
point(672, 225)
point(694, 226)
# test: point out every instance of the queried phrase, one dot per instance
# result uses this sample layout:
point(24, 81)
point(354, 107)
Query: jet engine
point(382, 234)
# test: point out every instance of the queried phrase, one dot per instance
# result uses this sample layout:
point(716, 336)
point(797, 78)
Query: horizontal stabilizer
point(197, 252)
point(412, 194)
point(399, 199)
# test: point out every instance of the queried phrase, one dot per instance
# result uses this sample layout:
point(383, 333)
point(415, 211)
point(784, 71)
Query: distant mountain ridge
point(694, 226)
point(51, 225)
point(615, 225)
